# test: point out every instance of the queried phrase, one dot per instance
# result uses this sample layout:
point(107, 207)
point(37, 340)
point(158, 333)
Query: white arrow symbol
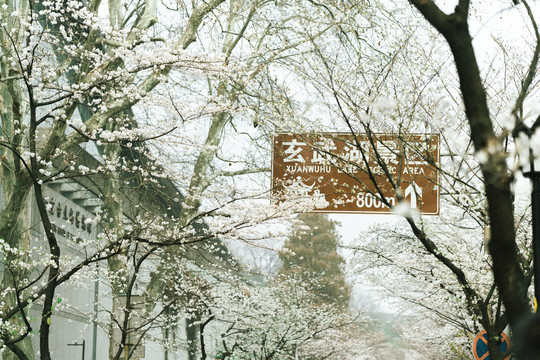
point(413, 190)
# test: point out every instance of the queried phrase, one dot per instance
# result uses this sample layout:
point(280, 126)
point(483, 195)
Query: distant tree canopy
point(311, 252)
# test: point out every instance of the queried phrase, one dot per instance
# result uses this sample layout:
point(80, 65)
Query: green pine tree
point(311, 253)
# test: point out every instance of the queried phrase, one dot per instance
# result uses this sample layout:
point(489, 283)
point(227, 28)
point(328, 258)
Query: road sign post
point(358, 174)
point(83, 344)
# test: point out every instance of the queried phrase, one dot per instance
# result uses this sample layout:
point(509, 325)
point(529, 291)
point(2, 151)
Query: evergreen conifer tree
point(311, 253)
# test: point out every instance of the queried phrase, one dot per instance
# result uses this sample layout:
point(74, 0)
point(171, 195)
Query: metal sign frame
point(354, 173)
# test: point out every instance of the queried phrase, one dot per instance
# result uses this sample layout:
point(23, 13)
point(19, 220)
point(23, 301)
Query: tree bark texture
point(502, 247)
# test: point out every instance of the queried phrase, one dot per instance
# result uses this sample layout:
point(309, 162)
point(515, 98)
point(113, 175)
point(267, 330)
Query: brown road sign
point(358, 174)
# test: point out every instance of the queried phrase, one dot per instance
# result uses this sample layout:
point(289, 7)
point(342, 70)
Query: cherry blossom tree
point(133, 103)
point(386, 77)
point(293, 324)
point(67, 80)
point(510, 276)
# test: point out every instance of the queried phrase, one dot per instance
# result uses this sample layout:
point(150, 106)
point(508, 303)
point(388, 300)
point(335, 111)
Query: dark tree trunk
point(509, 277)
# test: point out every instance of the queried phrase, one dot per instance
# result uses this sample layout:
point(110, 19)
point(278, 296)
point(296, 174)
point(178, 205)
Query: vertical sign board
point(69, 220)
point(354, 173)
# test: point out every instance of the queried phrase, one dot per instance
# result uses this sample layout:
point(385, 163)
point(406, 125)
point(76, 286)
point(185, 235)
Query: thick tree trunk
point(113, 225)
point(13, 223)
point(192, 337)
point(502, 245)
